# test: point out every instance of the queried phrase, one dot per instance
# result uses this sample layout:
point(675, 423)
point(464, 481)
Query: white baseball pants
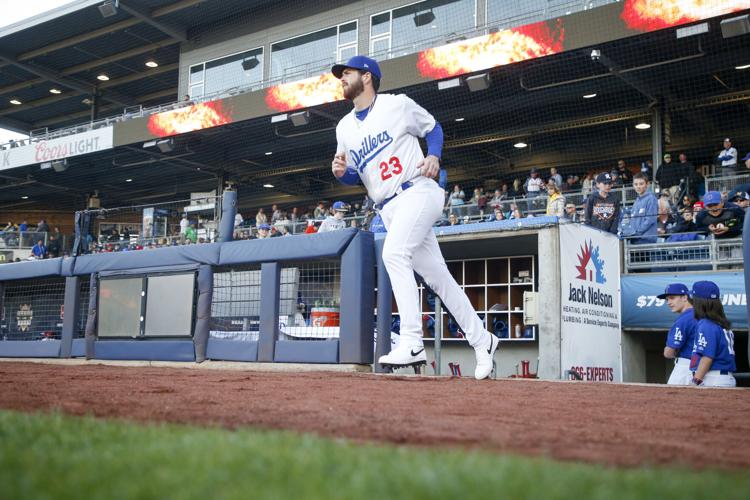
point(411, 245)
point(681, 374)
point(714, 378)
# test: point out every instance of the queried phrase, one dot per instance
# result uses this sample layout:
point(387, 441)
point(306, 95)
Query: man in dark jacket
point(723, 220)
point(603, 208)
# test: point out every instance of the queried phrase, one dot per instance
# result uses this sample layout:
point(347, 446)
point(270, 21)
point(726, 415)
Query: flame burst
point(188, 119)
point(305, 93)
point(650, 15)
point(495, 49)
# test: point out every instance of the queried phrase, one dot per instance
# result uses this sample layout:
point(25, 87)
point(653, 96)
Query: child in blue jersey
point(681, 336)
point(712, 362)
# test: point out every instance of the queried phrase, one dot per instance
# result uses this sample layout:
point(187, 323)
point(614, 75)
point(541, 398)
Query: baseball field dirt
point(620, 425)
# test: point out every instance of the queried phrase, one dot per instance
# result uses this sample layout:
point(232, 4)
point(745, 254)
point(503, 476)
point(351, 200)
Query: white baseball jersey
point(331, 224)
point(384, 147)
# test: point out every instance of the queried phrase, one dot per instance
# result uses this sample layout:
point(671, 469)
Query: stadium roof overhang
point(50, 63)
point(536, 101)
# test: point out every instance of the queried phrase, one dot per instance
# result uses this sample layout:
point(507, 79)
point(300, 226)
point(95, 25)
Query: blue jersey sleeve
point(350, 177)
point(677, 335)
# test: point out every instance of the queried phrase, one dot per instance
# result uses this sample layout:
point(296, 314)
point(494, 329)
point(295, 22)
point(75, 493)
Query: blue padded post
point(270, 289)
point(357, 299)
point(228, 211)
point(385, 311)
point(72, 303)
point(90, 334)
point(203, 311)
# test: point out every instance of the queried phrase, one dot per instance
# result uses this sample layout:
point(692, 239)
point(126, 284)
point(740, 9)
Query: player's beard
point(354, 89)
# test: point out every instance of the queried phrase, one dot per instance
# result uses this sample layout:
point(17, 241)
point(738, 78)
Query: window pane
point(348, 33)
point(422, 25)
point(346, 53)
point(504, 14)
point(228, 72)
point(380, 48)
point(196, 73)
point(196, 90)
point(304, 55)
point(380, 24)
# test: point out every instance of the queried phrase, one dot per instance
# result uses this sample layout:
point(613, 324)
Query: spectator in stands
point(534, 184)
point(571, 213)
point(555, 177)
point(498, 198)
point(336, 221)
point(457, 196)
point(39, 251)
point(643, 214)
point(741, 199)
point(113, 235)
point(723, 220)
point(191, 235)
point(727, 159)
point(479, 199)
point(687, 172)
point(184, 224)
point(261, 217)
point(555, 199)
point(603, 208)
point(276, 214)
point(238, 220)
point(664, 220)
point(23, 226)
point(42, 227)
point(698, 181)
point(310, 229)
point(320, 211)
point(497, 214)
point(587, 186)
point(453, 220)
point(622, 172)
point(685, 229)
point(515, 212)
point(647, 168)
point(617, 182)
point(264, 231)
point(670, 175)
point(570, 184)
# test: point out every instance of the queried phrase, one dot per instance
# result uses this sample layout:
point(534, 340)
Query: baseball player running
point(378, 144)
point(681, 336)
point(713, 362)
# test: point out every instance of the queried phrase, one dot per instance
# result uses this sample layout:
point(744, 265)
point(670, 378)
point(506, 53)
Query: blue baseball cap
point(361, 63)
point(340, 205)
point(712, 198)
point(705, 290)
point(264, 226)
point(674, 289)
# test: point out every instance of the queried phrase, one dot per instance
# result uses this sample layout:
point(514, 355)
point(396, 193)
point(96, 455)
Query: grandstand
point(161, 105)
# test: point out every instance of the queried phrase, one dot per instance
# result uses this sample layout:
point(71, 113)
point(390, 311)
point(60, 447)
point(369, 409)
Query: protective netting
point(235, 305)
point(83, 312)
point(310, 300)
point(33, 309)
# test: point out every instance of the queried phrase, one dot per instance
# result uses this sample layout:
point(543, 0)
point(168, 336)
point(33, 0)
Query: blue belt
point(406, 185)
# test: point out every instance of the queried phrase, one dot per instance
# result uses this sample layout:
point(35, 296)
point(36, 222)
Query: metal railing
point(706, 254)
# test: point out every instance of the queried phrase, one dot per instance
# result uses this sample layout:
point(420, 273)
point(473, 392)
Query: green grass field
point(59, 457)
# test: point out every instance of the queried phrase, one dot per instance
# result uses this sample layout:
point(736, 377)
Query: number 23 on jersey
point(390, 168)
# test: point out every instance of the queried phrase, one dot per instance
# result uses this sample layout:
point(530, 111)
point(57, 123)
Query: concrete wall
point(549, 303)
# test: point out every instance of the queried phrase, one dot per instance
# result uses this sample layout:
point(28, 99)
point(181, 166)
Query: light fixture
point(449, 84)
point(643, 126)
point(424, 18)
point(152, 64)
point(301, 118)
point(267, 185)
point(165, 145)
point(15, 101)
point(108, 8)
point(279, 118)
point(744, 66)
point(460, 119)
point(589, 96)
point(269, 153)
point(24, 197)
point(60, 165)
point(249, 64)
point(735, 26)
point(55, 91)
point(128, 180)
point(520, 145)
point(102, 77)
point(478, 82)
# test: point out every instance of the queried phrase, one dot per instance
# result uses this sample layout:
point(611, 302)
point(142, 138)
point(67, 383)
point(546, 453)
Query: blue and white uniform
point(717, 343)
point(681, 337)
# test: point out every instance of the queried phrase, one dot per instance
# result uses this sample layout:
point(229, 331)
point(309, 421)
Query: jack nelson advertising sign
point(57, 149)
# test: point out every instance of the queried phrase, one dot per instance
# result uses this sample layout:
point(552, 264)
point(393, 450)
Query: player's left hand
point(429, 167)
